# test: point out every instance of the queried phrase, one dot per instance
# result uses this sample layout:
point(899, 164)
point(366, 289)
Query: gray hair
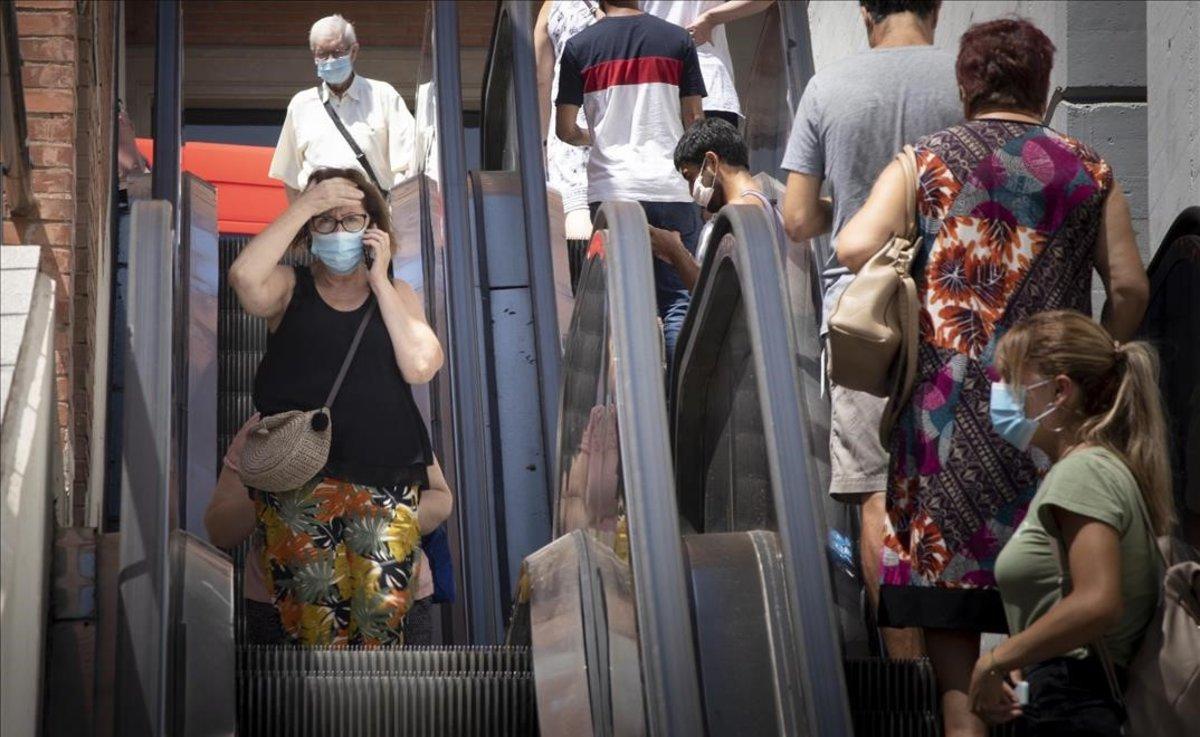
point(332, 25)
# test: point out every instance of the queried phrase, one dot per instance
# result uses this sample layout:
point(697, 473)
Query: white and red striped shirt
point(629, 73)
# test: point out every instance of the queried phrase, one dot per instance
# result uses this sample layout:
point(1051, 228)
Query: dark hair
point(880, 9)
point(711, 134)
point(1004, 65)
point(373, 202)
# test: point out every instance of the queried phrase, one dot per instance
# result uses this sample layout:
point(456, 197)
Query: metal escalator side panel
point(740, 410)
point(562, 625)
point(743, 630)
point(469, 405)
point(196, 336)
point(143, 600)
point(801, 529)
point(205, 697)
point(667, 651)
point(537, 228)
point(522, 453)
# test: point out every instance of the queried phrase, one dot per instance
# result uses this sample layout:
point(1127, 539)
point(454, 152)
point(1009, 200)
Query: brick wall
point(68, 89)
point(286, 22)
point(47, 30)
point(93, 186)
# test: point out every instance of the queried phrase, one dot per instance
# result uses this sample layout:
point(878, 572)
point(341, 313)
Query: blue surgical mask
point(342, 252)
point(1007, 411)
point(335, 71)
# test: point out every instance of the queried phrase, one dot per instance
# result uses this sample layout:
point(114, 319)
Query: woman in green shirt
point(1093, 407)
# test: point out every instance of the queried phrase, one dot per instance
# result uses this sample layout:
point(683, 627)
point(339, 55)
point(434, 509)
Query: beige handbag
point(873, 331)
point(285, 451)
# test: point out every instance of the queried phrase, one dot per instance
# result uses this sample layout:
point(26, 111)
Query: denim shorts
point(1070, 697)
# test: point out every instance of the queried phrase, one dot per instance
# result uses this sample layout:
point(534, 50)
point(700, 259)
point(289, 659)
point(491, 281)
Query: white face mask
point(702, 193)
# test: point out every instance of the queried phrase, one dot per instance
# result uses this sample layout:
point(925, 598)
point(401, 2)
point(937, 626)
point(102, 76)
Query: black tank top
point(379, 436)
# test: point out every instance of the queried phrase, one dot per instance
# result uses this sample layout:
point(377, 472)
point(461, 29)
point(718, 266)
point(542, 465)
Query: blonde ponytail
point(1120, 401)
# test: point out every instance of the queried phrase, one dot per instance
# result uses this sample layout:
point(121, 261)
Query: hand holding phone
point(377, 252)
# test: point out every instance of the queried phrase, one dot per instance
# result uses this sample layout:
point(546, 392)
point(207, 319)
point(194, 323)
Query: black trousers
point(1069, 697)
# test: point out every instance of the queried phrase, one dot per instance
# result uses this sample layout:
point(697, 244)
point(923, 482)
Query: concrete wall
point(30, 476)
point(1172, 74)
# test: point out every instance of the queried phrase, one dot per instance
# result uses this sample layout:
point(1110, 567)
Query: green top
point(1095, 483)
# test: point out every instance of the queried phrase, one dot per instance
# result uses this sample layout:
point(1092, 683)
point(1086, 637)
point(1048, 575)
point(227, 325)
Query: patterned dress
point(339, 558)
point(1009, 215)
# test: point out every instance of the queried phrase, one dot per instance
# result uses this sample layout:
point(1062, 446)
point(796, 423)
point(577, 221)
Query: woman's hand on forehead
point(331, 196)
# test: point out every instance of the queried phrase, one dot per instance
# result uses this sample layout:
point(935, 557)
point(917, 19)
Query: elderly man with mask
point(371, 113)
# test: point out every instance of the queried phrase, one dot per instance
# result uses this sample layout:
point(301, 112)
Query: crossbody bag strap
point(1149, 527)
point(358, 152)
point(1097, 647)
point(773, 214)
point(362, 328)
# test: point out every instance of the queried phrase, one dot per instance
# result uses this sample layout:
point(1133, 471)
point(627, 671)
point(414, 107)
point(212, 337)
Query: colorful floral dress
point(1009, 215)
point(339, 558)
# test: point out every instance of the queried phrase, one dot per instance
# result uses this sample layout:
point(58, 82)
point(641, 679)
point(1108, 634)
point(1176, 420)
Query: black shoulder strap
point(362, 327)
point(358, 152)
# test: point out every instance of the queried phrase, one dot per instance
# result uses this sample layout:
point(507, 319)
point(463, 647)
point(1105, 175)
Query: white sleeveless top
point(566, 165)
point(715, 62)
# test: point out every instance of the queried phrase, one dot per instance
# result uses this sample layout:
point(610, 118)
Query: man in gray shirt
point(855, 115)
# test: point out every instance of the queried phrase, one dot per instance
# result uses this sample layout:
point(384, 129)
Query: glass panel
point(590, 485)
point(725, 487)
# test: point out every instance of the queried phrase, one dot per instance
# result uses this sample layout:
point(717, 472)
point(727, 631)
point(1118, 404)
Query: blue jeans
point(672, 297)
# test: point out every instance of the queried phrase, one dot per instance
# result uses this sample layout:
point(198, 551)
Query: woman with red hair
point(1013, 217)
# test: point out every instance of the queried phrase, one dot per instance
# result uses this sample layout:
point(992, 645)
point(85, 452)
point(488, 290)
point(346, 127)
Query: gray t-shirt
point(855, 116)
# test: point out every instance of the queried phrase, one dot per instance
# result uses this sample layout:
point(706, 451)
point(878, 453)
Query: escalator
point(624, 567)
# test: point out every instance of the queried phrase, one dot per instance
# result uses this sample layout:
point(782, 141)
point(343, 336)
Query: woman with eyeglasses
point(339, 552)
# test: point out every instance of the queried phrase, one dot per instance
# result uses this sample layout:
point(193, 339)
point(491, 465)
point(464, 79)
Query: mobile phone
point(369, 256)
point(1022, 692)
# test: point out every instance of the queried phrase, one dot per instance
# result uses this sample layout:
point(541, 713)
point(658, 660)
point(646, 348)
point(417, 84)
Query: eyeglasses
point(352, 223)
point(327, 55)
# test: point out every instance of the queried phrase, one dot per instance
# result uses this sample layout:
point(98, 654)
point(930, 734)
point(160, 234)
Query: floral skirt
point(339, 559)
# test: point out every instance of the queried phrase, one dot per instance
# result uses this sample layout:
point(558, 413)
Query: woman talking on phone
point(339, 549)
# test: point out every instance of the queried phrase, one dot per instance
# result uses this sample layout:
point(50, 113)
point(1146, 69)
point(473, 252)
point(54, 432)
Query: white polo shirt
point(373, 112)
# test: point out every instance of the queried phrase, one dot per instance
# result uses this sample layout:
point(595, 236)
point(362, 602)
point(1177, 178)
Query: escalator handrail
point(669, 663)
point(537, 228)
point(1187, 223)
point(754, 251)
point(472, 452)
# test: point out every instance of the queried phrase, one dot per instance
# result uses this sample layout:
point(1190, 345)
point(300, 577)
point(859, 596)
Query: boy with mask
point(712, 157)
point(372, 112)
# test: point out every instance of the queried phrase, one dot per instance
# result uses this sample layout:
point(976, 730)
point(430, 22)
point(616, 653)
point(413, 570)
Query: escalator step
point(342, 660)
point(899, 698)
point(875, 684)
point(895, 724)
point(371, 705)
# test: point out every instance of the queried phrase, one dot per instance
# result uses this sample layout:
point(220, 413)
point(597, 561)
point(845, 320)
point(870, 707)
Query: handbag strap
point(362, 328)
point(358, 152)
point(908, 161)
